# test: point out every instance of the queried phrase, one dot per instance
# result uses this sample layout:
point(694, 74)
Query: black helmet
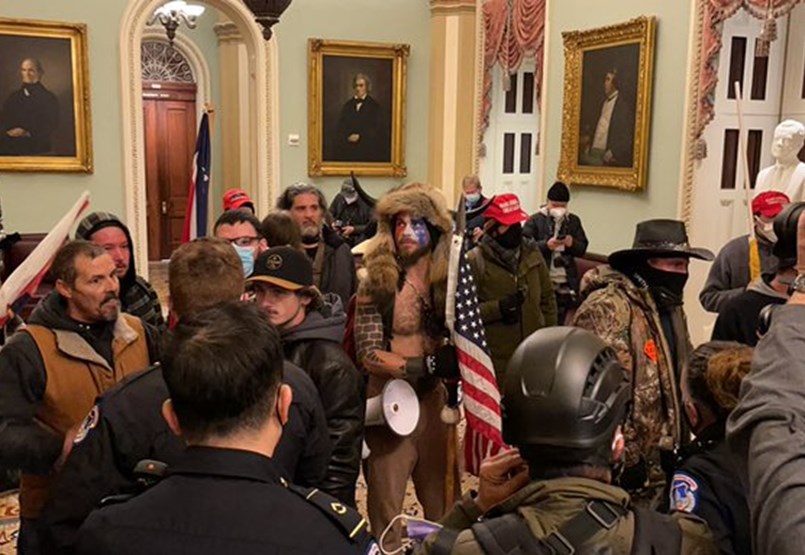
point(785, 228)
point(565, 388)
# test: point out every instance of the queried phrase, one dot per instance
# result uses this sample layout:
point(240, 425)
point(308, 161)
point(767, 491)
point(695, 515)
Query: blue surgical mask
point(472, 198)
point(246, 255)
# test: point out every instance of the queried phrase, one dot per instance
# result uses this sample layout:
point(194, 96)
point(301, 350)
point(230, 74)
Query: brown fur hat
point(383, 270)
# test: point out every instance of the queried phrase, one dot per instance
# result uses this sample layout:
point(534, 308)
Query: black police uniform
point(707, 484)
point(127, 426)
point(225, 501)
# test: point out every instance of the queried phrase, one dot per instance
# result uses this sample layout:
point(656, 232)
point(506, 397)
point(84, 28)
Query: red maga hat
point(505, 209)
point(769, 203)
point(235, 198)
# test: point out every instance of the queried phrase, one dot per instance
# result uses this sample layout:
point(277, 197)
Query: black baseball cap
point(285, 267)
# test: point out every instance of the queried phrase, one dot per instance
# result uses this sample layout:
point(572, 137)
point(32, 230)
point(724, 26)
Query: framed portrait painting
point(356, 108)
point(44, 97)
point(607, 105)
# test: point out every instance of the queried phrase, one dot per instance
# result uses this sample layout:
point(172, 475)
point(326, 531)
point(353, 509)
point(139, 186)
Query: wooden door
point(170, 142)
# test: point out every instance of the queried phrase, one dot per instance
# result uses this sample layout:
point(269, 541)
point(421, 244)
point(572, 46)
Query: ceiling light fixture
point(267, 13)
point(173, 14)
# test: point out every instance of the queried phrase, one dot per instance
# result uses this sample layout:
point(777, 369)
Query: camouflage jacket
point(626, 317)
point(547, 505)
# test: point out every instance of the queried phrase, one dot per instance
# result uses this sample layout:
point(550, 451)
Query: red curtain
point(713, 17)
point(513, 29)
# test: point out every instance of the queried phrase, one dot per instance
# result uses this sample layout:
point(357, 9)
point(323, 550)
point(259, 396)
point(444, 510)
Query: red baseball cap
point(769, 203)
point(505, 209)
point(235, 198)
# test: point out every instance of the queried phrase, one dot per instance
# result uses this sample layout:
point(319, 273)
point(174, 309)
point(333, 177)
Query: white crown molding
point(264, 123)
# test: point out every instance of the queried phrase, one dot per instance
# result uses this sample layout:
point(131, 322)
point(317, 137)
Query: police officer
point(564, 401)
point(126, 425)
point(225, 494)
point(707, 483)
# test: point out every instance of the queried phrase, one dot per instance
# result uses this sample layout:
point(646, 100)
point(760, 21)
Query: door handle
point(164, 207)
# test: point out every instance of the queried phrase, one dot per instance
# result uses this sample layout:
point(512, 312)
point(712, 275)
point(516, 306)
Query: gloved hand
point(510, 307)
point(441, 364)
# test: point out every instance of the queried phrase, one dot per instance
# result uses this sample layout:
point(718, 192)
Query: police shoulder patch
point(684, 493)
point(89, 422)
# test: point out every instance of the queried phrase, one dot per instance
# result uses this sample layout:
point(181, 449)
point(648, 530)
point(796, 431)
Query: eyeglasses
point(243, 241)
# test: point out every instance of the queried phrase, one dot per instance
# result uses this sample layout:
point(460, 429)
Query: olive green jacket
point(547, 505)
point(495, 280)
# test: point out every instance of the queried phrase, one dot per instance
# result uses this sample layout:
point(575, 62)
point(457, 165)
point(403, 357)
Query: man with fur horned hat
point(399, 332)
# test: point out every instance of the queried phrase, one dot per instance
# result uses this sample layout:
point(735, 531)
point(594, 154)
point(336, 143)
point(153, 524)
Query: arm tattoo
point(368, 332)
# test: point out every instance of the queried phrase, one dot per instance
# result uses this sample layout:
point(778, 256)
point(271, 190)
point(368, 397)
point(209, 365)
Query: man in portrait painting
point(609, 140)
point(359, 137)
point(29, 115)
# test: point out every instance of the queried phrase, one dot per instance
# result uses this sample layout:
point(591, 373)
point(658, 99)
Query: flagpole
point(754, 253)
point(451, 414)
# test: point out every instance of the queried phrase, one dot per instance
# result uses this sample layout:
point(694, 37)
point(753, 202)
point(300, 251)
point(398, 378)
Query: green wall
point(391, 21)
point(34, 202)
point(609, 215)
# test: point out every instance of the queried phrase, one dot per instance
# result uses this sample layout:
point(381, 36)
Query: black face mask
point(667, 288)
point(512, 238)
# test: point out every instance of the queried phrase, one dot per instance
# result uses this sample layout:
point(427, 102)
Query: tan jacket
point(76, 375)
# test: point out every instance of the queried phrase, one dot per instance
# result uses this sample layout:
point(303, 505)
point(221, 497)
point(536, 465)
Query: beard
point(409, 258)
point(310, 233)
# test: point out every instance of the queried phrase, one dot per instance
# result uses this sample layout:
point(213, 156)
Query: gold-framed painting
point(45, 122)
point(607, 105)
point(356, 108)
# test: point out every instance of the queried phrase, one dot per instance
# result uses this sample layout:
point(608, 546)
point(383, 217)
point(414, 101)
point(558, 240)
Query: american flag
point(195, 220)
point(483, 436)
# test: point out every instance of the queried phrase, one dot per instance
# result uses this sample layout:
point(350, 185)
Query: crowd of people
point(237, 424)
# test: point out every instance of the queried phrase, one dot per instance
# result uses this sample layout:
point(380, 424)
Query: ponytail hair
point(715, 372)
point(725, 372)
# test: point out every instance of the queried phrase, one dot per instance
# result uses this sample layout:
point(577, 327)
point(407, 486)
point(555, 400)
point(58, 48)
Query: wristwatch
point(798, 284)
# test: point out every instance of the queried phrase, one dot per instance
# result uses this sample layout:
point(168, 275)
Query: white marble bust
point(787, 175)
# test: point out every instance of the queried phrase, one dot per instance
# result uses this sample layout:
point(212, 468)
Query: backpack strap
point(596, 516)
point(508, 535)
point(655, 533)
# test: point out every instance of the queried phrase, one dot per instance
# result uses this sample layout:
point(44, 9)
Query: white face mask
point(472, 198)
point(765, 229)
point(351, 198)
point(557, 213)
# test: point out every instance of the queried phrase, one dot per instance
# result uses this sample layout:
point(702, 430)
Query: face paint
point(411, 232)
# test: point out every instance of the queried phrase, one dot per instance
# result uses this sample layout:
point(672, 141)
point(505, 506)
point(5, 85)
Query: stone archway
point(264, 106)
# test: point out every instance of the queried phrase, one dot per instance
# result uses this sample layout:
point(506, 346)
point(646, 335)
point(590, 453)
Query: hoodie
point(315, 346)
point(137, 296)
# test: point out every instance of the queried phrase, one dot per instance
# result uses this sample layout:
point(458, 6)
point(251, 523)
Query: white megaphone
point(396, 407)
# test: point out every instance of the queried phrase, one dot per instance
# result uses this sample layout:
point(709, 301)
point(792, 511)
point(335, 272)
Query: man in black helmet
point(564, 402)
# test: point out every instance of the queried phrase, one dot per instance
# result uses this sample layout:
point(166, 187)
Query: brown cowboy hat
point(658, 239)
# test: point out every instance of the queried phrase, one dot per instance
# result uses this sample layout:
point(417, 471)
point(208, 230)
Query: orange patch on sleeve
point(650, 350)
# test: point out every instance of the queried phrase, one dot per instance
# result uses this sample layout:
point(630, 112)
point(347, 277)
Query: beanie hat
point(95, 222)
point(559, 192)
